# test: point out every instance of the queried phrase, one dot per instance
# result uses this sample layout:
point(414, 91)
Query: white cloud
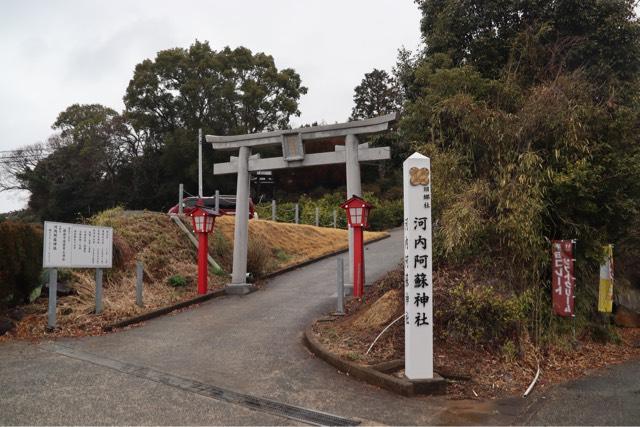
point(60, 53)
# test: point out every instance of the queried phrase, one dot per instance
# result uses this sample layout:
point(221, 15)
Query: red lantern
point(202, 220)
point(357, 210)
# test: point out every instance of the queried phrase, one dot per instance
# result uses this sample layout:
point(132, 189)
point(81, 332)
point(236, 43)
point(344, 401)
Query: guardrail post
point(180, 197)
point(98, 290)
point(273, 210)
point(297, 214)
point(317, 216)
point(217, 201)
point(139, 274)
point(340, 283)
point(53, 295)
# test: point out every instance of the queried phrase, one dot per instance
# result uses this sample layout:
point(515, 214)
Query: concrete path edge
point(384, 380)
point(164, 310)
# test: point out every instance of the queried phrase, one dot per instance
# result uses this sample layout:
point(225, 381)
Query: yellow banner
point(605, 295)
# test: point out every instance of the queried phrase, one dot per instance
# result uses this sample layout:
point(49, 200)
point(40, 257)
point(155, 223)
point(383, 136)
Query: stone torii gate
point(293, 156)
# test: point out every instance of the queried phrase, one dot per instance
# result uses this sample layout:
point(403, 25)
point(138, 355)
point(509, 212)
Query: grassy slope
point(165, 251)
point(292, 244)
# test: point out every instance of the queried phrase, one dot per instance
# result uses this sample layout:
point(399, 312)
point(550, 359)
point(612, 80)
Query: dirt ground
point(480, 372)
point(166, 252)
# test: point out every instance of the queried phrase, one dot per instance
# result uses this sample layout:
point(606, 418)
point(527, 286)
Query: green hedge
point(386, 213)
point(20, 261)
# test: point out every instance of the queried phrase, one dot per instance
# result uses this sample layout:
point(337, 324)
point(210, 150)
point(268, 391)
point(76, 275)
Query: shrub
point(259, 259)
point(221, 249)
point(386, 213)
point(603, 332)
point(122, 252)
point(177, 281)
point(481, 316)
point(20, 261)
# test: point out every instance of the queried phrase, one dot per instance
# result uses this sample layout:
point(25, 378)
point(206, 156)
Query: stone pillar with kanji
point(418, 264)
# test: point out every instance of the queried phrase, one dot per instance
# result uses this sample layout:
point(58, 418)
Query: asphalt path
point(249, 344)
point(608, 396)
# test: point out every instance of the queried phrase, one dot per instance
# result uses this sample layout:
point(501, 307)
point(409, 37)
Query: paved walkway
point(250, 344)
point(607, 397)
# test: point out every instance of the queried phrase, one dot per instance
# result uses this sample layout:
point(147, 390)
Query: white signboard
point(76, 246)
point(418, 304)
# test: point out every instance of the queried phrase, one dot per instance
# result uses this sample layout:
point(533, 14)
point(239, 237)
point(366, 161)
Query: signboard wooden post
point(75, 246)
point(418, 283)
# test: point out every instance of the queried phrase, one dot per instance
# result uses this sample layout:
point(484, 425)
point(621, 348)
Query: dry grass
point(165, 251)
point(381, 312)
point(293, 244)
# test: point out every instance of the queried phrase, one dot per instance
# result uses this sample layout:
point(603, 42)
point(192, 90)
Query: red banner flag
point(562, 280)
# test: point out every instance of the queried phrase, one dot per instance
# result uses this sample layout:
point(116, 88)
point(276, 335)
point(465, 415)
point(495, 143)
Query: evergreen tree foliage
point(376, 95)
point(529, 111)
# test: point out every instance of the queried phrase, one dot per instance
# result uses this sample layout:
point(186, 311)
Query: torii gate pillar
point(354, 186)
point(241, 228)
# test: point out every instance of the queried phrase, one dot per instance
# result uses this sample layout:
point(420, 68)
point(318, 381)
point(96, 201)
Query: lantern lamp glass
point(209, 224)
point(356, 216)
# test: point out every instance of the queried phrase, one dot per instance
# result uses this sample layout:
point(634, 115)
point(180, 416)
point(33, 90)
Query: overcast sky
point(56, 53)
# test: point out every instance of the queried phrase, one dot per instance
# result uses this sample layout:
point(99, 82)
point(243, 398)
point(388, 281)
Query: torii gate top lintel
point(358, 127)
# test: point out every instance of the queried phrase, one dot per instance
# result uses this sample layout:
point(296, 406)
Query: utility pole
point(200, 163)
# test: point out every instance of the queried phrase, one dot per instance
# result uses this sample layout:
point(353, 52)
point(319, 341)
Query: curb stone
point(435, 386)
point(164, 310)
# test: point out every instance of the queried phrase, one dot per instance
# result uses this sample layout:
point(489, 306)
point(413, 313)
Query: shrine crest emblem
point(419, 176)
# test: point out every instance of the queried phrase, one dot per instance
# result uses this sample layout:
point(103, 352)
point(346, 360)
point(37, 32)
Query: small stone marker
point(98, 290)
point(53, 296)
point(340, 283)
point(139, 277)
point(418, 322)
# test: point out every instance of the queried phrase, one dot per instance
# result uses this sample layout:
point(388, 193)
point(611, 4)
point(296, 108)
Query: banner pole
point(575, 286)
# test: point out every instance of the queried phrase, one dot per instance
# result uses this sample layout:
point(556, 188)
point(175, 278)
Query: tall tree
point(530, 111)
point(376, 95)
point(232, 91)
point(542, 36)
point(80, 176)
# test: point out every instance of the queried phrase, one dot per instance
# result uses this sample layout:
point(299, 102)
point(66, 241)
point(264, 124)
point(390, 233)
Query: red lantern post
point(357, 210)
point(202, 220)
